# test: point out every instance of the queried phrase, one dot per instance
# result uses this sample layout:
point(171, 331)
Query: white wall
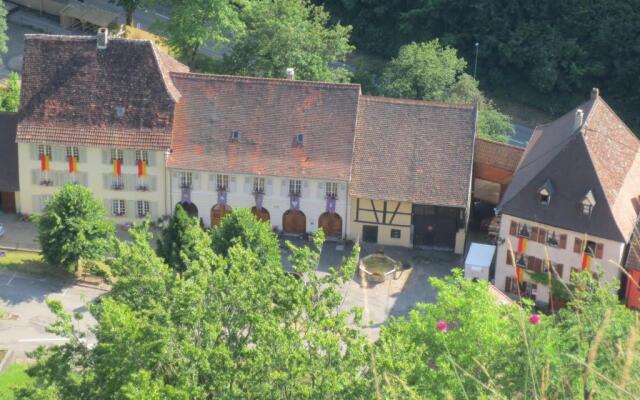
point(95, 171)
point(276, 198)
point(612, 255)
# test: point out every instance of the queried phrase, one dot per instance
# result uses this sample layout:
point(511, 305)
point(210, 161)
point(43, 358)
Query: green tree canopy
point(290, 33)
point(130, 7)
point(430, 71)
point(179, 241)
point(10, 96)
point(242, 227)
point(74, 226)
point(229, 327)
point(196, 23)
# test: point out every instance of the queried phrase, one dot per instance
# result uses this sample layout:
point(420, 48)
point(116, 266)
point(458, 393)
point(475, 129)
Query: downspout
point(167, 183)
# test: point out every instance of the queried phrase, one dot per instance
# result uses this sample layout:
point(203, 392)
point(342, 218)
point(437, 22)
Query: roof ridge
point(282, 81)
point(396, 100)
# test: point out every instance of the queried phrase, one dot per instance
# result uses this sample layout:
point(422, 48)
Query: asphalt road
point(521, 136)
point(23, 296)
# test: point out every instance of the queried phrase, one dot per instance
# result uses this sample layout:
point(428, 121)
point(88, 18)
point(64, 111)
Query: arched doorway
point(262, 214)
point(294, 221)
point(190, 208)
point(331, 223)
point(218, 212)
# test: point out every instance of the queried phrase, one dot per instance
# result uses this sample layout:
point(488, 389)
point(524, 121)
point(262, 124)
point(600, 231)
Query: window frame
point(258, 185)
point(117, 182)
point(117, 154)
point(118, 207)
point(186, 180)
point(331, 190)
point(73, 151)
point(142, 155)
point(144, 206)
point(295, 187)
point(44, 149)
point(222, 182)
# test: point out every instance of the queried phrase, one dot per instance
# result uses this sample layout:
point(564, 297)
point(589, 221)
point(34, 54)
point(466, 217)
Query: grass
point(30, 263)
point(14, 376)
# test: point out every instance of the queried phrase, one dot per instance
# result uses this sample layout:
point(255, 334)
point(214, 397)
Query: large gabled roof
point(414, 151)
point(267, 114)
point(72, 91)
point(601, 155)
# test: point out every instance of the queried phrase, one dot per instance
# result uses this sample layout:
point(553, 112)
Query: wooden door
point(331, 224)
point(262, 214)
point(370, 233)
point(294, 221)
point(8, 202)
point(218, 212)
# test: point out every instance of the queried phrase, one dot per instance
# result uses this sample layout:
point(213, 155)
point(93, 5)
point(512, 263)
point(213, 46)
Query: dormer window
point(300, 139)
point(235, 136)
point(524, 232)
point(545, 192)
point(119, 111)
point(587, 203)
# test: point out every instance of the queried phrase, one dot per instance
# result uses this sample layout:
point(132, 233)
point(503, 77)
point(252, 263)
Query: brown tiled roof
point(603, 156)
point(498, 155)
point(415, 151)
point(9, 181)
point(268, 113)
point(71, 91)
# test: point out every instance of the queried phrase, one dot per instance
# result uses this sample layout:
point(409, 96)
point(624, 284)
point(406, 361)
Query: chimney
point(291, 74)
point(577, 123)
point(102, 38)
point(595, 93)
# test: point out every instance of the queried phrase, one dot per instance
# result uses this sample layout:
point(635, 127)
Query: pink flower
point(534, 319)
point(442, 326)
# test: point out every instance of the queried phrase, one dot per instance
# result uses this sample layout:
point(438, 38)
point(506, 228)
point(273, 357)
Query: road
point(23, 296)
point(522, 135)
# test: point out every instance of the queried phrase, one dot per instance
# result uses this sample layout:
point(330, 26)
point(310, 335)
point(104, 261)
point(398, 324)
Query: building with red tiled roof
point(573, 201)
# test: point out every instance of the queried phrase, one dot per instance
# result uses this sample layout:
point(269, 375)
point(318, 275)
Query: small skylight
point(300, 139)
point(235, 136)
point(119, 111)
point(544, 193)
point(587, 203)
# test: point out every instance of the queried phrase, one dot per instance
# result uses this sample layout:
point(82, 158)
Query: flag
point(520, 274)
point(294, 202)
point(142, 168)
point(331, 204)
point(522, 245)
point(586, 262)
point(185, 195)
point(117, 167)
point(222, 197)
point(73, 164)
point(44, 162)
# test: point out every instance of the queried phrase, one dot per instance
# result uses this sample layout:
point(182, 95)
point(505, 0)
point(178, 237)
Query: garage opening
point(331, 224)
point(294, 222)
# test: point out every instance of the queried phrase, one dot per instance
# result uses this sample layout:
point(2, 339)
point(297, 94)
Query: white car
point(1, 230)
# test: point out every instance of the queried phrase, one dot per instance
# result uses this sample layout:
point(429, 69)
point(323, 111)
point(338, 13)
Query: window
point(142, 155)
point(299, 139)
point(590, 248)
point(395, 233)
point(119, 111)
point(586, 209)
point(73, 152)
point(552, 240)
point(235, 136)
point(587, 203)
point(117, 183)
point(186, 180)
point(143, 208)
point(545, 192)
point(258, 185)
point(117, 154)
point(524, 231)
point(118, 208)
point(44, 149)
point(295, 187)
point(331, 190)
point(545, 197)
point(222, 183)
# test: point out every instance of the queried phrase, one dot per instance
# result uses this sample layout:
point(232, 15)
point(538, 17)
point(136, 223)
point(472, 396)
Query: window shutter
point(508, 283)
point(153, 210)
point(129, 158)
point(563, 241)
point(542, 236)
point(539, 264)
point(34, 177)
point(58, 179)
point(531, 263)
point(129, 182)
point(106, 156)
point(306, 192)
point(33, 149)
point(82, 154)
point(559, 270)
point(509, 259)
point(577, 246)
point(195, 181)
point(513, 228)
point(58, 153)
point(211, 182)
point(153, 183)
point(534, 234)
point(131, 209)
point(599, 250)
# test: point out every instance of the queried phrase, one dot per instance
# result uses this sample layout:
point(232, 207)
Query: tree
point(467, 345)
point(196, 23)
point(10, 97)
point(430, 71)
point(243, 228)
point(130, 7)
point(290, 33)
point(229, 327)
point(179, 242)
point(74, 227)
point(3, 29)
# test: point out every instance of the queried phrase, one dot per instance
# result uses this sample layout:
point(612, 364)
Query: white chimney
point(102, 38)
point(291, 74)
point(595, 93)
point(578, 119)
